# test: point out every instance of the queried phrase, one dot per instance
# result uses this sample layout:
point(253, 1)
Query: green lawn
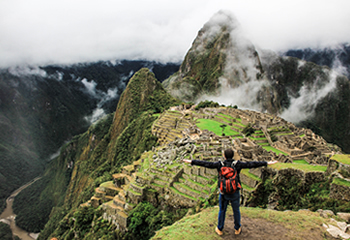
point(269, 148)
point(300, 161)
point(227, 116)
point(342, 182)
point(223, 118)
point(264, 144)
point(239, 124)
point(343, 158)
point(284, 134)
point(246, 172)
point(214, 126)
point(300, 166)
point(256, 139)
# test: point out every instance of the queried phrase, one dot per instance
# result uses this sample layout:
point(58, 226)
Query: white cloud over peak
point(61, 32)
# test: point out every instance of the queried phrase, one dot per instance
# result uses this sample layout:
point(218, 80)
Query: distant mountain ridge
point(333, 57)
point(42, 107)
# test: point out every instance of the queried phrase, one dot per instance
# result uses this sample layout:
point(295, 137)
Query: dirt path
point(261, 229)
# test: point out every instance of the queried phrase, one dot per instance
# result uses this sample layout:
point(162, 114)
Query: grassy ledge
point(341, 182)
point(269, 148)
point(342, 158)
point(300, 166)
point(298, 225)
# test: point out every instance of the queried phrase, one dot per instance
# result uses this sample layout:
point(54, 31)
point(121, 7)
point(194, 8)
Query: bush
point(144, 220)
point(206, 103)
point(5, 232)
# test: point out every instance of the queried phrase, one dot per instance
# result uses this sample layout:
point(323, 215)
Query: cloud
point(244, 96)
point(303, 106)
point(97, 114)
point(27, 70)
point(63, 32)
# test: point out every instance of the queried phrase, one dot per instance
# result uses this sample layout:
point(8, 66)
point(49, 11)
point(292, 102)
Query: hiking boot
point(218, 231)
point(239, 231)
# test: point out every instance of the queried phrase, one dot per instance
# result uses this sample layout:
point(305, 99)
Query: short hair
point(228, 153)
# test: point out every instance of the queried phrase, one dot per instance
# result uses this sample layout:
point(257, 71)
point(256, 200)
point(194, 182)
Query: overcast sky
point(70, 31)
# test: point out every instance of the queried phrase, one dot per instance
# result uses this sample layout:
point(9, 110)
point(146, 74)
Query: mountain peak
point(143, 92)
point(220, 56)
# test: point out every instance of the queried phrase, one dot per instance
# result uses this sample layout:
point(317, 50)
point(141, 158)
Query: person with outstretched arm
point(233, 198)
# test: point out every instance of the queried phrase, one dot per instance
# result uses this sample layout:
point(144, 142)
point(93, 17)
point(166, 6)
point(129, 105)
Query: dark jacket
point(239, 165)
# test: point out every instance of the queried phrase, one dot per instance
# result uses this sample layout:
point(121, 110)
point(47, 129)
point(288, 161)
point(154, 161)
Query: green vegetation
point(145, 219)
point(225, 116)
point(34, 204)
point(95, 155)
point(247, 187)
point(123, 138)
point(207, 103)
point(247, 173)
point(300, 161)
point(343, 158)
point(339, 181)
point(301, 166)
point(5, 232)
point(269, 148)
point(201, 226)
point(214, 126)
point(85, 223)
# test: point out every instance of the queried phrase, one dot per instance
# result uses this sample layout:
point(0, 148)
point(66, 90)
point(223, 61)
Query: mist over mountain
point(337, 57)
point(42, 107)
point(224, 66)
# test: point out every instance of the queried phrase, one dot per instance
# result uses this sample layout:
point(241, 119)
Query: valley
point(8, 217)
point(125, 127)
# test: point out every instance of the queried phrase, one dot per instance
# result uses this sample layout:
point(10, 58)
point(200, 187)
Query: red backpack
point(228, 180)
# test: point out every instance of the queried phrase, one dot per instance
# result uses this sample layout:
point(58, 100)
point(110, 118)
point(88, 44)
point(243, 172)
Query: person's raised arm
point(256, 164)
point(187, 161)
point(206, 164)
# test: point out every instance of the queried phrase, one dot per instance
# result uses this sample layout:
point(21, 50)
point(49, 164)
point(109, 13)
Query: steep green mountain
point(218, 46)
point(91, 158)
point(222, 65)
point(42, 107)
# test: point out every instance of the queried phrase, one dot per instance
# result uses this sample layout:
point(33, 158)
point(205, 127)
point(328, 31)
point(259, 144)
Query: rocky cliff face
point(224, 66)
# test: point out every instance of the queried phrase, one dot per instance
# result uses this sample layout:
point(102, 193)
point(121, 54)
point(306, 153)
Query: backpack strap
point(233, 164)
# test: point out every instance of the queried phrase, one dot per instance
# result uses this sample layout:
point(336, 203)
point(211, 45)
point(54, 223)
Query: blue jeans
point(223, 202)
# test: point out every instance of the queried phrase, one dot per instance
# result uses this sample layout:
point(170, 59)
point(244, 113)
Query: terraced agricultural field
point(214, 126)
point(269, 148)
point(300, 166)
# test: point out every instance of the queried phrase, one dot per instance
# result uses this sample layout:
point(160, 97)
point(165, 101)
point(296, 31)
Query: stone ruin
point(181, 185)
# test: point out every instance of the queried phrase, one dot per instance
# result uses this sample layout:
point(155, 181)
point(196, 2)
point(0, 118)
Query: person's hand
point(272, 162)
point(187, 161)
